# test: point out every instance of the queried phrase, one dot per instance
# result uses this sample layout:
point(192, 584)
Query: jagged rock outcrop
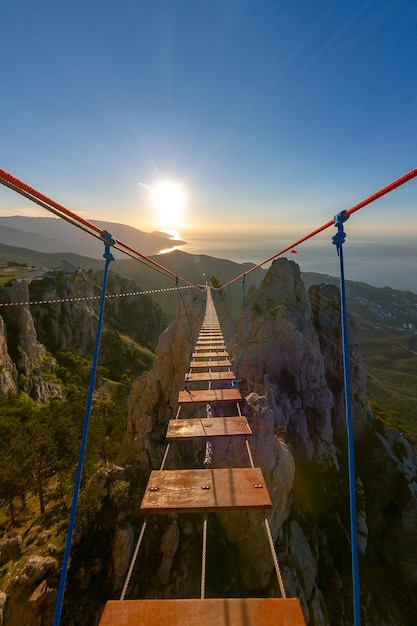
point(292, 375)
point(291, 372)
point(32, 599)
point(67, 318)
point(131, 324)
point(282, 344)
point(153, 397)
point(71, 320)
point(35, 367)
point(11, 549)
point(8, 372)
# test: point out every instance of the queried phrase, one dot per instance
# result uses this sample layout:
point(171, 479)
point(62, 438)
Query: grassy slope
point(390, 360)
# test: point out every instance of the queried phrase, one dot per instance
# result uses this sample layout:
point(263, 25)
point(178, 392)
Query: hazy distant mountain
point(195, 268)
point(385, 317)
point(50, 235)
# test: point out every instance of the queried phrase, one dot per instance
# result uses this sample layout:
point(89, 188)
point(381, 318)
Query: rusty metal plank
point(208, 427)
point(210, 395)
point(207, 612)
point(193, 377)
point(206, 364)
point(205, 490)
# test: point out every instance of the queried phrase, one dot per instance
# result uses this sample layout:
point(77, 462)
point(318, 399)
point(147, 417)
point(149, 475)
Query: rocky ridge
point(291, 373)
point(26, 363)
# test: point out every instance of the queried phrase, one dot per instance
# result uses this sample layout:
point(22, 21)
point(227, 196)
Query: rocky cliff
point(26, 365)
point(31, 334)
point(291, 373)
point(40, 346)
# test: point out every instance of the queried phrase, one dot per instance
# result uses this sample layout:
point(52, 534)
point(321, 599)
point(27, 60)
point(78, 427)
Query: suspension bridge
point(214, 411)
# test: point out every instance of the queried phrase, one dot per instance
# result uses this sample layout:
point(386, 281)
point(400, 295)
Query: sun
point(168, 199)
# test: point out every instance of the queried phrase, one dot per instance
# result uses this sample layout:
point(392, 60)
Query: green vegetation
point(385, 320)
point(390, 360)
point(11, 271)
point(39, 445)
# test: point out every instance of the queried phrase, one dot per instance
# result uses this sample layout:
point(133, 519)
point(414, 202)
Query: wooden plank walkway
point(205, 490)
point(209, 395)
point(206, 612)
point(207, 364)
point(196, 428)
point(204, 354)
point(194, 377)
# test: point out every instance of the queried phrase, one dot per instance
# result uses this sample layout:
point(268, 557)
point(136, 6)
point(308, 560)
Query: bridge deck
point(208, 427)
point(194, 377)
point(207, 612)
point(209, 395)
point(205, 490)
point(207, 364)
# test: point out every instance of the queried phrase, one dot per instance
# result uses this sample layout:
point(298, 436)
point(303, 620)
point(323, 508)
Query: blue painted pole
point(108, 241)
point(338, 240)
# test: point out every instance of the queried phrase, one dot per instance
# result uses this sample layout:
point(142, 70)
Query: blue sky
point(272, 115)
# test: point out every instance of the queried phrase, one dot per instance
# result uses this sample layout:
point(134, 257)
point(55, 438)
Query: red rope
point(397, 183)
point(21, 187)
point(11, 181)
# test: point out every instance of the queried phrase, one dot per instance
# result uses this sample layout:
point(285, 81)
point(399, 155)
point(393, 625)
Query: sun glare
point(168, 200)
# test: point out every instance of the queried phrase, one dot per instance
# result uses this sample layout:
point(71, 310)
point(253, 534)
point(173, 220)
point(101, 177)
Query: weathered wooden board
point(204, 354)
point(210, 395)
point(206, 364)
point(214, 363)
point(205, 490)
point(193, 377)
point(208, 427)
point(207, 612)
point(210, 341)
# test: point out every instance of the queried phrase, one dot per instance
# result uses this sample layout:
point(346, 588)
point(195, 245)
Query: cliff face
point(25, 361)
point(131, 325)
point(291, 373)
point(30, 334)
point(8, 373)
